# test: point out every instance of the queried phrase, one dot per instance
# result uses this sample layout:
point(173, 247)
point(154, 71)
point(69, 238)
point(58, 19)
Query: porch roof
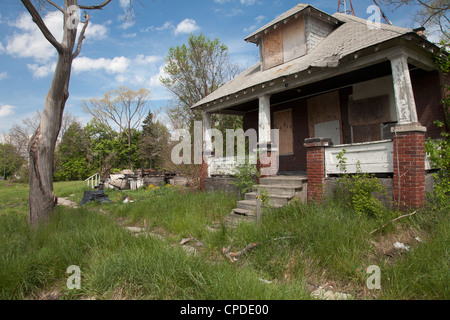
point(347, 39)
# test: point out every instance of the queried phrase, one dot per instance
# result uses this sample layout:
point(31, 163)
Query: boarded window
point(294, 39)
point(273, 49)
point(325, 110)
point(366, 117)
point(283, 122)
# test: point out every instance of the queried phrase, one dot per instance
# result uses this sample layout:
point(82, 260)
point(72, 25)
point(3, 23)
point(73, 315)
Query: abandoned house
point(332, 82)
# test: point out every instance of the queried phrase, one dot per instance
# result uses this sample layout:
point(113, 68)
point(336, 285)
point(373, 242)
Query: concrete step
point(274, 198)
point(234, 219)
point(280, 190)
point(244, 213)
point(284, 180)
point(250, 205)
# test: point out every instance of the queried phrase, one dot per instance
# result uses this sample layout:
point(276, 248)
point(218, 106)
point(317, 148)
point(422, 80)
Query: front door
point(283, 122)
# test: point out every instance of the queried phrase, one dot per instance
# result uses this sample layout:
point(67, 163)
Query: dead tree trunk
point(42, 145)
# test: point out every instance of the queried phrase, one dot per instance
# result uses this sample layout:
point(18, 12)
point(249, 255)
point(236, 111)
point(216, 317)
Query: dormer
point(292, 35)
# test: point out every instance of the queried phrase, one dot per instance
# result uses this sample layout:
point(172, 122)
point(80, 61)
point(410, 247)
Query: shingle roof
point(353, 35)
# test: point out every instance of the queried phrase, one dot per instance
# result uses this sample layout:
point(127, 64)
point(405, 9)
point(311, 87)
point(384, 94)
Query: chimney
point(420, 32)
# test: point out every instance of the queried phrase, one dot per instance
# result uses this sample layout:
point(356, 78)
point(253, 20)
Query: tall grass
point(296, 245)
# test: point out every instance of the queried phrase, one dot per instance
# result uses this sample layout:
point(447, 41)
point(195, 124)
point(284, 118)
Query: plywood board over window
point(366, 116)
point(273, 48)
point(283, 122)
point(322, 110)
point(294, 39)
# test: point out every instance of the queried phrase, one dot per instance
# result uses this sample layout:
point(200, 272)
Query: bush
point(246, 176)
point(357, 190)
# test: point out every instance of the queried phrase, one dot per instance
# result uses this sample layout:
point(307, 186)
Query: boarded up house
point(333, 82)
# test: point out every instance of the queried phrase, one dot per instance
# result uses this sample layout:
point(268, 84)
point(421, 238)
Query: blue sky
point(118, 53)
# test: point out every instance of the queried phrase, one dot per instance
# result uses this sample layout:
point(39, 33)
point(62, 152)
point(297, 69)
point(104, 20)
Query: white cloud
point(29, 42)
point(6, 110)
point(112, 66)
point(2, 48)
point(187, 26)
point(248, 2)
point(258, 23)
point(41, 71)
point(141, 59)
point(3, 75)
point(165, 26)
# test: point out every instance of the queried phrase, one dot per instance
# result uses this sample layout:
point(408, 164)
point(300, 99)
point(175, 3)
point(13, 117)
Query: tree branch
point(37, 19)
point(81, 37)
point(96, 7)
point(55, 5)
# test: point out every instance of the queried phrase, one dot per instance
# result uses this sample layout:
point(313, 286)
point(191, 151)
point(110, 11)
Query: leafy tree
point(193, 71)
point(153, 142)
point(123, 108)
point(10, 160)
point(439, 150)
point(72, 152)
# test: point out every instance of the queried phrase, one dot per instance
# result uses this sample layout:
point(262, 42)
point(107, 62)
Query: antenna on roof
point(345, 6)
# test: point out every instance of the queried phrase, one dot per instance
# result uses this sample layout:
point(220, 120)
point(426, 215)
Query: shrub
point(357, 190)
point(246, 176)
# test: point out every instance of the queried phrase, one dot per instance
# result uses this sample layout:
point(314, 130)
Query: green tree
point(123, 108)
point(72, 163)
point(439, 149)
point(154, 141)
point(10, 160)
point(193, 71)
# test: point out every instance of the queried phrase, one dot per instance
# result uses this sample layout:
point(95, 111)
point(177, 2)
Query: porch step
point(250, 205)
point(282, 190)
point(274, 199)
point(284, 180)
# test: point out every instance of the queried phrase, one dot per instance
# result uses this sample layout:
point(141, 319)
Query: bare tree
point(123, 107)
point(430, 13)
point(42, 145)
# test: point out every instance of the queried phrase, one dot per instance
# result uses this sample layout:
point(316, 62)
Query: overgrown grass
point(297, 246)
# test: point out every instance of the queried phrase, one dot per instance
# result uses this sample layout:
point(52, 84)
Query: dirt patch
point(395, 244)
point(67, 203)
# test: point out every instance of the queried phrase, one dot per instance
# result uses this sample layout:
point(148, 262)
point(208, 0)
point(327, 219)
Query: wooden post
point(258, 206)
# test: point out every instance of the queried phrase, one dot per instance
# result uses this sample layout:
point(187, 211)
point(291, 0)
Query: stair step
point(233, 219)
point(284, 180)
point(280, 190)
point(244, 213)
point(274, 198)
point(250, 205)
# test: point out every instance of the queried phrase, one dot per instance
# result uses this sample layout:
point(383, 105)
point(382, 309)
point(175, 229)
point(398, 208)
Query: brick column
point(409, 166)
point(315, 165)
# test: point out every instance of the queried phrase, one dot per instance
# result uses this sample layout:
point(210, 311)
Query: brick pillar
point(409, 166)
point(315, 165)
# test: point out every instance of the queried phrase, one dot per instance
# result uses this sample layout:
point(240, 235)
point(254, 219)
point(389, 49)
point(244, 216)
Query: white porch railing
point(227, 165)
point(373, 157)
point(93, 180)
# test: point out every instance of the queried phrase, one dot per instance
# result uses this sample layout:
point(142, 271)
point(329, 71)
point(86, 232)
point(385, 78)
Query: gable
point(292, 39)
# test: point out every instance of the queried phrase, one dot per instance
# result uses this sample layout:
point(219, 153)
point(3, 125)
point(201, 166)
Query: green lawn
point(298, 248)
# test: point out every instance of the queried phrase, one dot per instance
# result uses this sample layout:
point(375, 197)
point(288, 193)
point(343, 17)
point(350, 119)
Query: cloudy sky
point(120, 53)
